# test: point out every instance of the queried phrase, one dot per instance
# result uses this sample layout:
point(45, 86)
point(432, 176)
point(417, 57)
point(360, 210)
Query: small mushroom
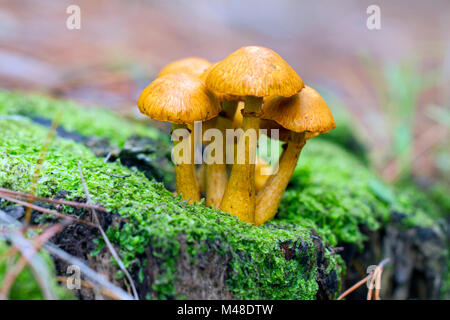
point(196, 67)
point(180, 99)
point(250, 73)
point(215, 175)
point(306, 115)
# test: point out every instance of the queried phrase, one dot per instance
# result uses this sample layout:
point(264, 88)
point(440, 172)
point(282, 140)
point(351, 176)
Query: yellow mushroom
point(181, 99)
point(214, 179)
point(193, 66)
point(250, 73)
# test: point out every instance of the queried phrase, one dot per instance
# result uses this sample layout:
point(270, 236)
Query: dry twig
point(378, 284)
point(22, 195)
point(372, 282)
point(45, 210)
point(376, 276)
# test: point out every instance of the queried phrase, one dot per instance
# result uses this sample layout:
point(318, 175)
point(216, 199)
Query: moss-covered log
point(176, 250)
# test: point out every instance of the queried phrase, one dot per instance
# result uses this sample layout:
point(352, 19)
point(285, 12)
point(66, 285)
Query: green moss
point(335, 193)
point(416, 207)
point(98, 122)
point(25, 287)
point(259, 269)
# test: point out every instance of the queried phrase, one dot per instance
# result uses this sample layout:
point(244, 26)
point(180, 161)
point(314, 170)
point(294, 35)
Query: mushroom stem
point(260, 178)
point(216, 173)
point(185, 174)
point(201, 177)
point(216, 183)
point(268, 199)
point(229, 108)
point(239, 197)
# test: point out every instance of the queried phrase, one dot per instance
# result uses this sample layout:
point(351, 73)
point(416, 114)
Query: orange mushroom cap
point(193, 66)
point(221, 96)
point(254, 71)
point(303, 112)
point(284, 134)
point(178, 98)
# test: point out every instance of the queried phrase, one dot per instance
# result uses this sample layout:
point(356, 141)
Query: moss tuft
point(334, 193)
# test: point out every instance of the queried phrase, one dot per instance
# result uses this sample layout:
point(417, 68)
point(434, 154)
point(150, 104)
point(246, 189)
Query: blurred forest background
point(391, 85)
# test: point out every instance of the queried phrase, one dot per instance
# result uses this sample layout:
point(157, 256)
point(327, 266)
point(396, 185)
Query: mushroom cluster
point(251, 89)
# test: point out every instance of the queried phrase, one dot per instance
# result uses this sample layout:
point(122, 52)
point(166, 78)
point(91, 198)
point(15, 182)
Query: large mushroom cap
point(303, 112)
point(221, 96)
point(193, 66)
point(254, 71)
point(178, 98)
